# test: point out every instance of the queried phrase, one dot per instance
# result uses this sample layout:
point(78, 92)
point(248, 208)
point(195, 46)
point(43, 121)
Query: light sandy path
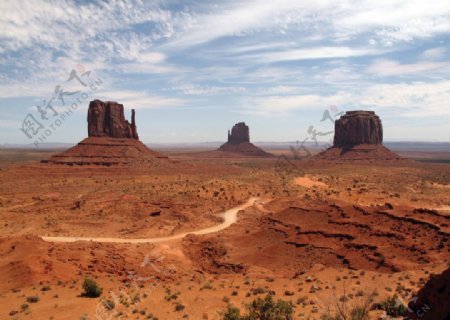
point(229, 216)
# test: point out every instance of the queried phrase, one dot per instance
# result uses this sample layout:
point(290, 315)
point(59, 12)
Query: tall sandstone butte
point(106, 119)
point(111, 140)
point(358, 136)
point(358, 127)
point(239, 133)
point(239, 142)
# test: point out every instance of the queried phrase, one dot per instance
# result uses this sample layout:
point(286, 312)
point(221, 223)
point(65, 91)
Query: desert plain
point(156, 239)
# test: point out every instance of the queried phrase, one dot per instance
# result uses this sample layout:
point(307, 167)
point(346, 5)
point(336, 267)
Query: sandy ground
point(229, 217)
point(327, 231)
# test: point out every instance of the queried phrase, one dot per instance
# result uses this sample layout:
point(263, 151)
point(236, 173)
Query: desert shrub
point(345, 310)
point(393, 306)
point(262, 309)
point(258, 290)
point(232, 313)
point(109, 304)
point(179, 307)
point(91, 288)
point(32, 299)
point(268, 309)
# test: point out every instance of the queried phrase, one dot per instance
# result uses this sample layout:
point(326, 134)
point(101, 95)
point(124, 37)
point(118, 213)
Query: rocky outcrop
point(239, 133)
point(239, 142)
point(433, 299)
point(358, 136)
point(358, 127)
point(112, 141)
point(106, 119)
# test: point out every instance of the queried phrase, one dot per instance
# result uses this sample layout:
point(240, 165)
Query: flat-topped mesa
point(358, 137)
point(239, 133)
point(106, 119)
point(358, 127)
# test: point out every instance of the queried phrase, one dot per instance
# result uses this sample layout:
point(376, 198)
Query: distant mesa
point(112, 140)
point(239, 133)
point(358, 135)
point(239, 142)
point(358, 127)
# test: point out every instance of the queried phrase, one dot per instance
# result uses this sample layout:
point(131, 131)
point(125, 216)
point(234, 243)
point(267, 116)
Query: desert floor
point(316, 234)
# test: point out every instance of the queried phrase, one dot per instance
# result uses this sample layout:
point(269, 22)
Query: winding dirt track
point(229, 216)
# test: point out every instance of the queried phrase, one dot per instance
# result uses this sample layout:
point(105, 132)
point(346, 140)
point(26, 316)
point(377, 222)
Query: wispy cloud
point(390, 67)
point(255, 56)
point(140, 99)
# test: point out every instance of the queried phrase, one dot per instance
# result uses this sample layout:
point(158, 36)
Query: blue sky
point(194, 68)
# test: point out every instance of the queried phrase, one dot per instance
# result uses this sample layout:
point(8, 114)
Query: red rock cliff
point(106, 119)
point(358, 127)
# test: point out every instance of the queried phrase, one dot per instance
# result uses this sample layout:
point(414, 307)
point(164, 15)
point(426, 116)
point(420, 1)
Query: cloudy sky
point(194, 68)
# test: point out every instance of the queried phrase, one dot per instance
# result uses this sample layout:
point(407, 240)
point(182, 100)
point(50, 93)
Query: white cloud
point(206, 90)
point(434, 53)
point(314, 53)
point(394, 68)
point(418, 99)
point(139, 99)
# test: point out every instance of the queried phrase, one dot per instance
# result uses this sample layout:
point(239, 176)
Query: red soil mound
point(107, 152)
point(361, 152)
point(244, 148)
point(295, 238)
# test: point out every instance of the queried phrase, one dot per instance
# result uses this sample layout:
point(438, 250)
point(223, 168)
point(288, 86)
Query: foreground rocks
point(433, 300)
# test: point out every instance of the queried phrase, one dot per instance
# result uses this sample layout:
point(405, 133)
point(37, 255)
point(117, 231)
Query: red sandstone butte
point(106, 119)
point(112, 141)
point(239, 142)
point(358, 136)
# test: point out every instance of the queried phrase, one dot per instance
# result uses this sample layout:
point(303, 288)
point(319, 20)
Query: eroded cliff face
point(239, 142)
point(239, 133)
point(358, 136)
point(106, 119)
point(358, 127)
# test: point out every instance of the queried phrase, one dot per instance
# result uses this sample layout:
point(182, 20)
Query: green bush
point(262, 309)
point(32, 299)
point(91, 288)
point(393, 307)
point(232, 313)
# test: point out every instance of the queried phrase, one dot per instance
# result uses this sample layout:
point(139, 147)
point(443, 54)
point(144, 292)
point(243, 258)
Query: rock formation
point(106, 119)
point(358, 136)
point(111, 141)
point(239, 142)
point(239, 133)
point(358, 127)
point(433, 299)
